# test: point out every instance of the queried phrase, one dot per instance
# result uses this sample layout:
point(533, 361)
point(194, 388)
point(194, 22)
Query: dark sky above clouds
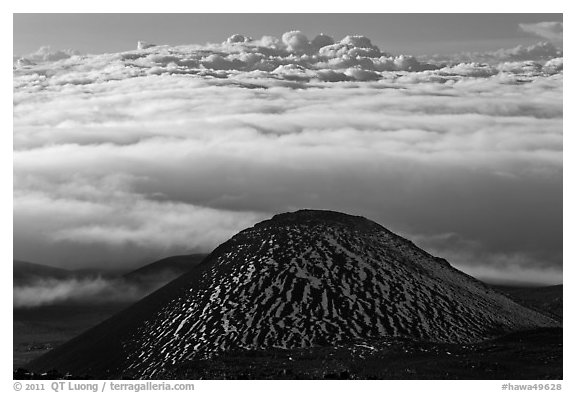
point(398, 33)
point(121, 158)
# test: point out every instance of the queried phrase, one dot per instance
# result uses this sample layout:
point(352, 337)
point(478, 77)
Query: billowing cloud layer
point(162, 150)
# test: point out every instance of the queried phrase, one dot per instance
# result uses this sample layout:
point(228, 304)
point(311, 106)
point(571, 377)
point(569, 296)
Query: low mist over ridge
point(38, 285)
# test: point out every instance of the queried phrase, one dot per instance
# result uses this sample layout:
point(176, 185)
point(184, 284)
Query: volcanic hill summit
point(302, 279)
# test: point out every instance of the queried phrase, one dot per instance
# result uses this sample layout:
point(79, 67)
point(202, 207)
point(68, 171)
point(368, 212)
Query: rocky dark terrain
point(540, 351)
point(547, 300)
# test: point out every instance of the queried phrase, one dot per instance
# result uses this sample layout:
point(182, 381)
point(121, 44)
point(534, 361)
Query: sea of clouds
point(163, 150)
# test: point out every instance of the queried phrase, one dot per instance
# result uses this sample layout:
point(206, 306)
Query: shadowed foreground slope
point(548, 300)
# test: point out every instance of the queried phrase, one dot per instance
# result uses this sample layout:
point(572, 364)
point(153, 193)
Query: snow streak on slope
point(317, 278)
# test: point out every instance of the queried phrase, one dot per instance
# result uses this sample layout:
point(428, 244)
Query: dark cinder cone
point(297, 280)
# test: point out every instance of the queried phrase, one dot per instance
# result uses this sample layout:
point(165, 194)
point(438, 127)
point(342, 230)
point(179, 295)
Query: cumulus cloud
point(552, 31)
point(47, 54)
point(351, 46)
point(296, 41)
point(539, 52)
point(322, 40)
point(144, 45)
point(237, 39)
point(554, 66)
point(174, 149)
